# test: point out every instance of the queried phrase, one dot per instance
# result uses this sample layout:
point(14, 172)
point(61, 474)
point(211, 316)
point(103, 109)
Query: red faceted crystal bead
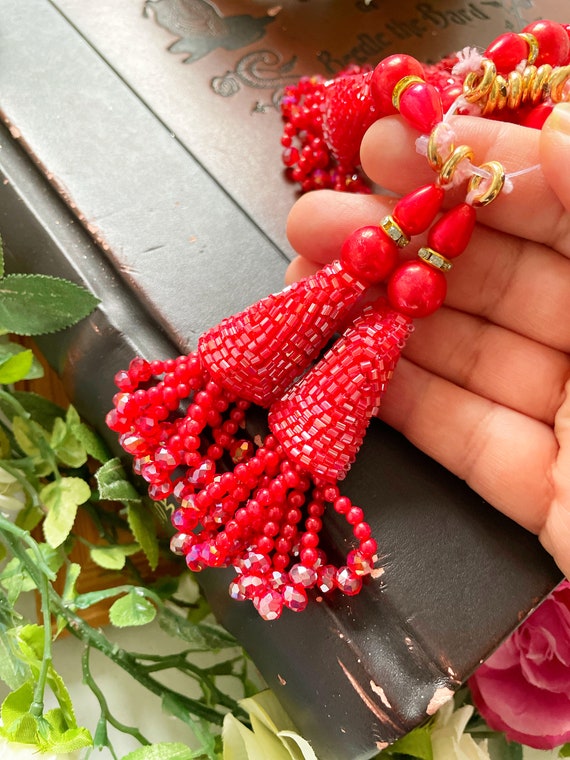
point(416, 211)
point(369, 254)
point(348, 581)
point(417, 289)
point(295, 598)
point(386, 76)
point(553, 42)
point(269, 604)
point(507, 51)
point(420, 105)
point(451, 234)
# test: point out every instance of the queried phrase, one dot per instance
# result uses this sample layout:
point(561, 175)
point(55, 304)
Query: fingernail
point(559, 119)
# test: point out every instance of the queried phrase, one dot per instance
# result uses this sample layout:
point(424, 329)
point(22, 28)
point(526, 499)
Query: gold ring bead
point(495, 186)
point(533, 49)
point(434, 259)
point(433, 155)
point(402, 85)
point(476, 86)
point(452, 162)
point(394, 231)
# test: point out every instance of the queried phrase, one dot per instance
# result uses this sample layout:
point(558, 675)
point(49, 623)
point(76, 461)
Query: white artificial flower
point(448, 739)
point(13, 751)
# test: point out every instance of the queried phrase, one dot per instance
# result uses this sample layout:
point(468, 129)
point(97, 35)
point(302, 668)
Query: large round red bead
point(386, 76)
point(369, 254)
point(553, 42)
point(507, 51)
point(417, 289)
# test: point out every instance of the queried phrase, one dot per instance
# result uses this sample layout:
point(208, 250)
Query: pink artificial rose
point(523, 689)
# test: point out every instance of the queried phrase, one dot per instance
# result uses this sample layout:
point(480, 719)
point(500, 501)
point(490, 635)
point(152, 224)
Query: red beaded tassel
point(250, 518)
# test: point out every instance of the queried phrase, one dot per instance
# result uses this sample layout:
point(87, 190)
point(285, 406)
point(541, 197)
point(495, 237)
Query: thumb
point(555, 152)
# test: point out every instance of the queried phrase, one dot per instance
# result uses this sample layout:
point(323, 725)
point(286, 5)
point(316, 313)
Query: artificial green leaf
point(29, 517)
point(71, 740)
point(131, 609)
point(61, 693)
point(10, 348)
point(91, 442)
point(1, 259)
point(31, 643)
point(61, 499)
point(35, 304)
point(205, 636)
point(2, 552)
point(13, 671)
point(16, 367)
point(24, 730)
point(162, 751)
point(17, 703)
point(113, 557)
point(65, 445)
point(113, 483)
point(5, 447)
point(564, 750)
point(417, 744)
point(27, 433)
point(40, 409)
point(141, 523)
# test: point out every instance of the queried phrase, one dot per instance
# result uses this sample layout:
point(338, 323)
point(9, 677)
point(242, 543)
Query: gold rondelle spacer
point(394, 231)
point(434, 259)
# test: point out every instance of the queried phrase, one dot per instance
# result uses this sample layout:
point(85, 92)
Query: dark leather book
point(140, 156)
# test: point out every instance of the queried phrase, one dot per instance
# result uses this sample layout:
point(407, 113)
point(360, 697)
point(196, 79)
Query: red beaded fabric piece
point(321, 422)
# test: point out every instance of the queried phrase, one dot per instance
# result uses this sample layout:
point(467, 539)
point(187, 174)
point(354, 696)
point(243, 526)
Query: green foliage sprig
point(52, 466)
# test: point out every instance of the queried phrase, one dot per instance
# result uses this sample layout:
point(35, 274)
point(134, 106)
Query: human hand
point(483, 384)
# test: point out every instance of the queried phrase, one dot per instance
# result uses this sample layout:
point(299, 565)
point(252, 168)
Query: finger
point(555, 157)
point(320, 221)
point(555, 535)
point(516, 284)
point(389, 157)
point(300, 267)
point(505, 456)
point(492, 362)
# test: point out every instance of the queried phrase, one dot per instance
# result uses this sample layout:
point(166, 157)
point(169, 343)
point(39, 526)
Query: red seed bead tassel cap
point(322, 420)
point(257, 354)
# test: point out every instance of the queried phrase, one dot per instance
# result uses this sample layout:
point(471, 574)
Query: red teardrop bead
point(420, 105)
point(417, 289)
point(416, 211)
point(386, 76)
point(553, 42)
point(369, 254)
point(451, 234)
point(507, 51)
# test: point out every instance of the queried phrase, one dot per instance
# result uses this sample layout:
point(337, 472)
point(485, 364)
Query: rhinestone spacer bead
point(394, 231)
point(435, 259)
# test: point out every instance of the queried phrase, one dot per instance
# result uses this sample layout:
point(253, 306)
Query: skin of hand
point(483, 384)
